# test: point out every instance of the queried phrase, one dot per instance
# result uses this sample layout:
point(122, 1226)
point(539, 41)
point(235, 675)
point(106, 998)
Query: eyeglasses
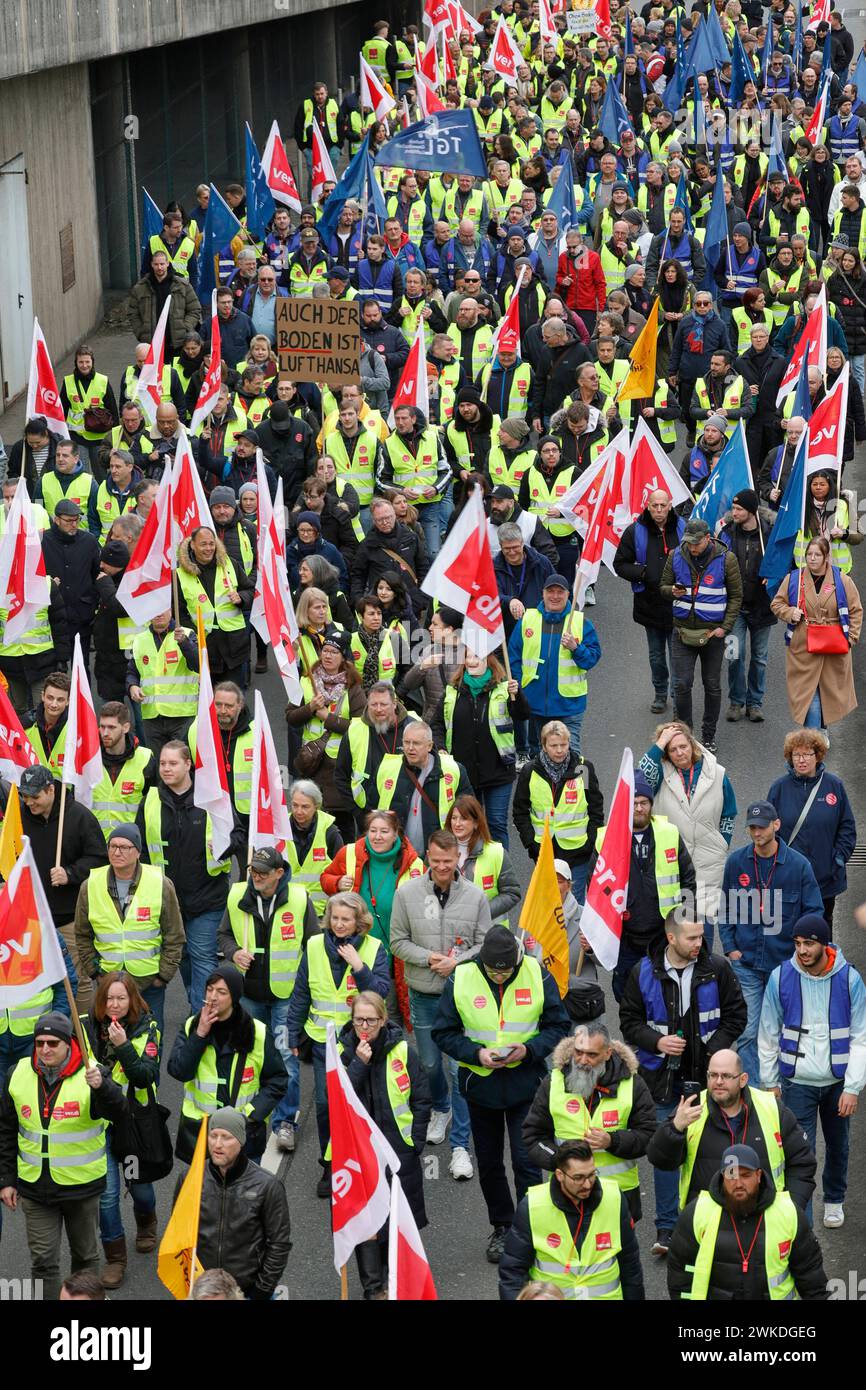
point(805, 755)
point(117, 848)
point(366, 1022)
point(724, 1075)
point(47, 1042)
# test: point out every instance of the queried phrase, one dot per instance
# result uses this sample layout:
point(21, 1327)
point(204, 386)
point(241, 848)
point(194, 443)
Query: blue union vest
point(709, 596)
point(705, 997)
point(641, 537)
point(839, 1010)
point(841, 601)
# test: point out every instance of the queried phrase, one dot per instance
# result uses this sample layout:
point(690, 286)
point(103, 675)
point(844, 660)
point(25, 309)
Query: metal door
point(16, 296)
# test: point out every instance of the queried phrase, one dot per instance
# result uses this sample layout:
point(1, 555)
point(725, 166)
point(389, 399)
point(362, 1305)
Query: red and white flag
point(461, 577)
point(210, 387)
point(507, 335)
point(607, 892)
point(815, 127)
point(812, 345)
point(412, 387)
point(647, 469)
point(464, 22)
point(82, 765)
point(446, 67)
point(428, 65)
point(577, 503)
point(360, 1156)
point(211, 788)
point(145, 589)
point(323, 169)
point(278, 173)
point(405, 114)
point(148, 387)
point(504, 57)
point(24, 584)
point(30, 956)
point(373, 94)
point(549, 31)
point(273, 613)
point(826, 444)
point(16, 750)
point(436, 15)
point(428, 101)
point(189, 508)
point(269, 816)
point(820, 14)
point(602, 18)
point(409, 1277)
point(602, 535)
point(43, 397)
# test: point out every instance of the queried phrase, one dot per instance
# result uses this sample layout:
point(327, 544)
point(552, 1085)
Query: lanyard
point(693, 774)
point(573, 1251)
point(764, 887)
point(746, 1255)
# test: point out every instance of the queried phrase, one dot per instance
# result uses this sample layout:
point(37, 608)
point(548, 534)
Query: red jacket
point(337, 868)
point(587, 289)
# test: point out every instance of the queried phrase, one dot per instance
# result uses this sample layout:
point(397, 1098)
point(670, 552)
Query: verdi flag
point(446, 143)
point(607, 891)
point(260, 201)
point(541, 916)
point(31, 958)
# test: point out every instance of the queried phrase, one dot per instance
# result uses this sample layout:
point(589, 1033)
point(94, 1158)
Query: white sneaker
point(834, 1214)
point(438, 1126)
point(460, 1166)
point(589, 597)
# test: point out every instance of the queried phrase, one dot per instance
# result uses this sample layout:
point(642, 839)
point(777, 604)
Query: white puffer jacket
point(697, 820)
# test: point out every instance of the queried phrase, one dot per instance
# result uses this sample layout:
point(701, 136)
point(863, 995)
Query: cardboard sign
point(319, 340)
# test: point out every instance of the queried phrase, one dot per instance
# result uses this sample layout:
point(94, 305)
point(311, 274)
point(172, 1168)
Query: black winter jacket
point(518, 1256)
point(471, 741)
point(109, 663)
point(82, 849)
point(370, 562)
point(227, 1039)
point(74, 562)
point(244, 1225)
point(21, 461)
point(649, 609)
point(292, 455)
point(183, 836)
point(521, 809)
point(692, 1062)
point(667, 1149)
point(256, 976)
point(727, 1280)
point(848, 293)
point(747, 547)
point(555, 376)
point(643, 924)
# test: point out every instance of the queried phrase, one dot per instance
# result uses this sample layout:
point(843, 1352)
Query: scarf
point(371, 642)
point(378, 886)
point(555, 771)
point(475, 684)
point(695, 335)
point(331, 687)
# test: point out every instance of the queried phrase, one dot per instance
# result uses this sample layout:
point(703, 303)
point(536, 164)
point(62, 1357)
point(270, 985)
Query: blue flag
point(802, 400)
point(779, 554)
point(377, 209)
point(741, 72)
point(826, 60)
point(220, 227)
point(446, 143)
point(766, 53)
point(628, 41)
point(716, 36)
point(151, 221)
point(672, 96)
point(858, 76)
point(731, 475)
point(350, 186)
point(562, 201)
point(716, 231)
point(614, 117)
point(681, 201)
point(777, 164)
point(797, 43)
point(260, 203)
point(701, 57)
point(700, 120)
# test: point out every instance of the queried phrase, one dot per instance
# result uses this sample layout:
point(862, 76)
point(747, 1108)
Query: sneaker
point(496, 1244)
point(261, 665)
point(735, 713)
point(659, 704)
point(460, 1166)
point(834, 1214)
point(710, 745)
point(438, 1126)
point(662, 1241)
point(755, 713)
point(522, 760)
point(589, 597)
point(286, 1137)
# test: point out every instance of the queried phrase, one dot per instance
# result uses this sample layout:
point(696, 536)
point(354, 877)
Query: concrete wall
point(38, 34)
point(47, 119)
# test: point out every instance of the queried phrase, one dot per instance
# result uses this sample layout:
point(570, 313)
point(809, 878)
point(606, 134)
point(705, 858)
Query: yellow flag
point(542, 916)
point(199, 624)
point(641, 380)
point(177, 1264)
point(11, 835)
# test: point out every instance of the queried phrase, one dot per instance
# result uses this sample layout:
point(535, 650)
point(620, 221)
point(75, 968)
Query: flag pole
point(60, 821)
point(76, 1019)
point(176, 596)
point(344, 1283)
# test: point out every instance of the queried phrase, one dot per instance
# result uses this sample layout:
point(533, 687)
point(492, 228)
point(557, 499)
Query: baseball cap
point(739, 1156)
point(267, 858)
point(761, 813)
point(695, 530)
point(556, 581)
point(338, 272)
point(34, 780)
point(562, 869)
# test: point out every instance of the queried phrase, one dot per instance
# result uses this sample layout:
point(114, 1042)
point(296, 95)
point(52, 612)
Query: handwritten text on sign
point(319, 340)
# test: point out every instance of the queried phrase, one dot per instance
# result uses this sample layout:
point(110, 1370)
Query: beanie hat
point(232, 977)
point(129, 832)
point(499, 949)
point(748, 499)
point(642, 787)
point(812, 927)
point(223, 496)
point(743, 229)
point(310, 519)
point(717, 422)
point(53, 1024)
point(515, 427)
point(114, 553)
point(231, 1120)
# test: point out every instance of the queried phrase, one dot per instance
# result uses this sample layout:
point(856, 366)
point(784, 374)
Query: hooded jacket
point(812, 1066)
point(479, 435)
point(692, 1062)
point(291, 454)
point(728, 1281)
point(518, 1256)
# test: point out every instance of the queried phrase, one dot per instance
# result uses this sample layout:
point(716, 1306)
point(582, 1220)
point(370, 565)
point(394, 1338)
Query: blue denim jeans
point(743, 689)
point(142, 1193)
point(660, 659)
point(666, 1184)
point(423, 1009)
point(199, 957)
point(154, 998)
point(752, 983)
point(579, 875)
point(858, 370)
point(275, 1015)
point(496, 801)
point(814, 714)
point(430, 515)
point(808, 1103)
point(573, 722)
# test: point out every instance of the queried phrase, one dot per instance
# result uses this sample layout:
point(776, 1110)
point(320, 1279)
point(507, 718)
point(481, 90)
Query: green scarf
point(378, 886)
point(475, 684)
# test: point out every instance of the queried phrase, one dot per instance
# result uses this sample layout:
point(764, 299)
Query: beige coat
point(833, 676)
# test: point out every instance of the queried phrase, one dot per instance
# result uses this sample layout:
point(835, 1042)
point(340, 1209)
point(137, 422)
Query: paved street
point(619, 694)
